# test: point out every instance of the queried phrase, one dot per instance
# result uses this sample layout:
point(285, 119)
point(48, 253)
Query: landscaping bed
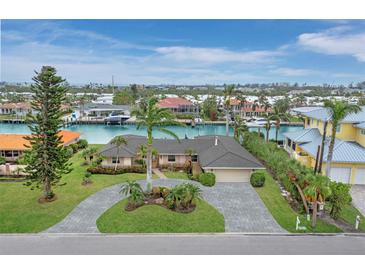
point(21, 212)
point(156, 219)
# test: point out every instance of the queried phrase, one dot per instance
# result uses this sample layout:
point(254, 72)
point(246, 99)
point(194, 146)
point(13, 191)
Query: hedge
point(119, 170)
point(207, 179)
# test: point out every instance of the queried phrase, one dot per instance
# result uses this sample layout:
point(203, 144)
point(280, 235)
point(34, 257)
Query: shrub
point(82, 144)
point(207, 179)
point(119, 170)
point(339, 198)
point(74, 147)
point(87, 179)
point(257, 179)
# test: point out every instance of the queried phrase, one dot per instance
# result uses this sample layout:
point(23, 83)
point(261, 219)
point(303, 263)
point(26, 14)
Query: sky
point(185, 52)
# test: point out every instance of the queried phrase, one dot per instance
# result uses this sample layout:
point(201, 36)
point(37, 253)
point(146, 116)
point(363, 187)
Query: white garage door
point(360, 176)
point(232, 175)
point(340, 174)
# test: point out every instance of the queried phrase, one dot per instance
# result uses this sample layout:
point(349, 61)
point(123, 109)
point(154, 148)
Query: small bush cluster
point(207, 179)
point(119, 170)
point(257, 179)
point(173, 167)
point(80, 144)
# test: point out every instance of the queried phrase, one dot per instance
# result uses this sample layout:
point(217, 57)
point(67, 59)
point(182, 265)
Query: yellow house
point(348, 163)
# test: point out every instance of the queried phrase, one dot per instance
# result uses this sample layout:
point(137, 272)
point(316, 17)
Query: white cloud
point(215, 55)
point(335, 41)
point(291, 72)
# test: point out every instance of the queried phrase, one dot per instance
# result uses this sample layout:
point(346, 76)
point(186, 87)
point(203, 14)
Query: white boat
point(117, 116)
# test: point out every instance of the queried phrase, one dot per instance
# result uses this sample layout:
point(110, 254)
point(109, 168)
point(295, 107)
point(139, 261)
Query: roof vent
point(216, 140)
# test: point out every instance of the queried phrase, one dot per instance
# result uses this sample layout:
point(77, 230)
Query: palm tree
point(118, 141)
point(151, 116)
point(278, 116)
point(228, 92)
point(189, 163)
point(339, 110)
point(134, 191)
point(267, 126)
point(142, 152)
point(317, 191)
point(88, 154)
point(242, 100)
point(239, 127)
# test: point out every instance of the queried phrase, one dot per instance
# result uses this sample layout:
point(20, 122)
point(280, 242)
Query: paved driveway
point(239, 203)
point(358, 197)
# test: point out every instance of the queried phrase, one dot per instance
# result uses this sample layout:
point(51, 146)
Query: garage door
point(360, 176)
point(232, 175)
point(340, 174)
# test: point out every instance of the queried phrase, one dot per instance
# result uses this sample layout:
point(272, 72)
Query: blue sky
point(186, 51)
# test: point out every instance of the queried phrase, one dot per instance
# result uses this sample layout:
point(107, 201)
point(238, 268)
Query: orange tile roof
point(17, 141)
point(172, 102)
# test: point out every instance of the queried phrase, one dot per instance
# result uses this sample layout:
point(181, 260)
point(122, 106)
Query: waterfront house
point(12, 146)
point(179, 106)
point(222, 155)
point(348, 164)
point(19, 109)
point(98, 110)
point(247, 109)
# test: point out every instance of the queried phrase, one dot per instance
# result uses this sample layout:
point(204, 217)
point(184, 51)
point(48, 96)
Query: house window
point(194, 158)
point(171, 158)
point(115, 160)
point(363, 131)
point(338, 128)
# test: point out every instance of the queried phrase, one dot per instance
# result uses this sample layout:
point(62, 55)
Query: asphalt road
point(160, 244)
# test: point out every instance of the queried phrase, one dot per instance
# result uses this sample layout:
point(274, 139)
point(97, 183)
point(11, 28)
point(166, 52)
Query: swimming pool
point(102, 134)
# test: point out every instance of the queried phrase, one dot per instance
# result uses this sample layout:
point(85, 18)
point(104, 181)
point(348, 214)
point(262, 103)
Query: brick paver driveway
point(358, 197)
point(239, 203)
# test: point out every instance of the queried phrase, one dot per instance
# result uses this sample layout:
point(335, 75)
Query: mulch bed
point(43, 200)
point(153, 199)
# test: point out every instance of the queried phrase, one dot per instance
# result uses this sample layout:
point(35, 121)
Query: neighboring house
point(18, 109)
point(179, 105)
point(222, 155)
point(12, 146)
point(101, 110)
point(247, 109)
point(348, 163)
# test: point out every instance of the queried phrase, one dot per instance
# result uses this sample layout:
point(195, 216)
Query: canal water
point(102, 134)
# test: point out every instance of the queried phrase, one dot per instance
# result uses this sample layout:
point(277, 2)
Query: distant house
point(179, 105)
point(102, 110)
point(12, 146)
point(222, 155)
point(247, 109)
point(348, 161)
point(18, 109)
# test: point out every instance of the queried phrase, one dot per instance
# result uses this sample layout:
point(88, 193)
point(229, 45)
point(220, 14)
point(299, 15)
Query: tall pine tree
point(46, 158)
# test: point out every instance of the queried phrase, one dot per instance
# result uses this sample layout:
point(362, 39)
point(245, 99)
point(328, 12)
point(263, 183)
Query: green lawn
point(176, 175)
point(156, 219)
point(21, 212)
point(349, 213)
point(283, 213)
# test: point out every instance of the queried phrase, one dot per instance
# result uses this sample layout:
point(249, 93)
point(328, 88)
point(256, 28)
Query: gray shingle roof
point(227, 153)
point(360, 125)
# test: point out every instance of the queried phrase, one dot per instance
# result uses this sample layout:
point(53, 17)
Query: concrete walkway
point(159, 173)
point(239, 203)
point(358, 197)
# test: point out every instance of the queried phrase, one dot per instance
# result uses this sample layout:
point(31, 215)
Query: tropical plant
point(267, 125)
point(47, 158)
point(209, 108)
point(88, 154)
point(339, 198)
point(189, 162)
point(338, 111)
point(190, 193)
point(150, 116)
point(278, 116)
point(142, 152)
point(118, 141)
point(282, 105)
point(2, 160)
point(229, 90)
point(135, 192)
point(239, 127)
point(242, 100)
point(317, 191)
